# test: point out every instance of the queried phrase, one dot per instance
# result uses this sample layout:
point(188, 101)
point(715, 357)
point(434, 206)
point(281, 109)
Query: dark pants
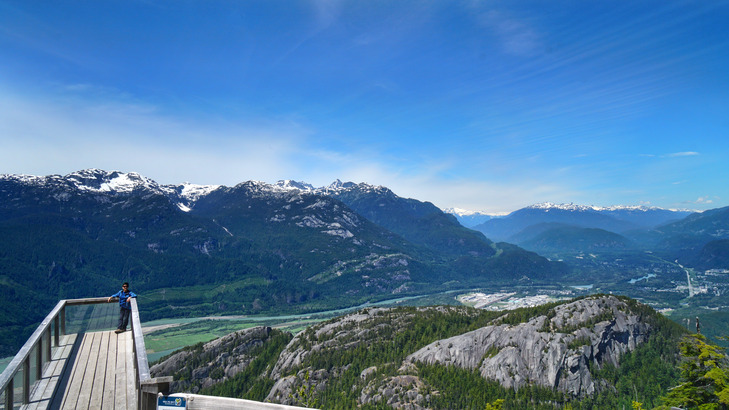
point(123, 318)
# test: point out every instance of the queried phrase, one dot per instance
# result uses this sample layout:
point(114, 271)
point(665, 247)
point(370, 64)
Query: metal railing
point(37, 350)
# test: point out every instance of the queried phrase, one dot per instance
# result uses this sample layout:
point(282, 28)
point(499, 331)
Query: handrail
point(147, 387)
point(140, 349)
point(88, 301)
point(23, 356)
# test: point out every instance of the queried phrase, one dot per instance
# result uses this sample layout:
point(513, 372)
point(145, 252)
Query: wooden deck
point(89, 371)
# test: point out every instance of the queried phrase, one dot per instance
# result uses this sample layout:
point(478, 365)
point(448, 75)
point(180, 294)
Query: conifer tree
point(705, 374)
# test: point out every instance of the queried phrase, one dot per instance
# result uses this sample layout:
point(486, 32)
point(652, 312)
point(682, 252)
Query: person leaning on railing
point(125, 307)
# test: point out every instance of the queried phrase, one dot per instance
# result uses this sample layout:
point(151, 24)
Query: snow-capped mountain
point(419, 222)
point(614, 208)
point(334, 187)
point(115, 184)
point(469, 219)
point(639, 215)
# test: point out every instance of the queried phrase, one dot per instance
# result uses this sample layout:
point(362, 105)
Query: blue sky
point(482, 105)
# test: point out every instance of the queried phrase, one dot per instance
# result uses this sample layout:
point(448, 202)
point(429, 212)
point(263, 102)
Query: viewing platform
point(75, 360)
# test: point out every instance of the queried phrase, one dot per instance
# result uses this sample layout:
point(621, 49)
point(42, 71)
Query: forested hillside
point(594, 352)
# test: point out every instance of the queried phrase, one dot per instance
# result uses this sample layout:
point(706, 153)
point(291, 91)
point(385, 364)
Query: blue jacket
point(123, 298)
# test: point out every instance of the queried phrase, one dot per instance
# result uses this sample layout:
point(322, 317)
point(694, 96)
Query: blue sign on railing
point(169, 402)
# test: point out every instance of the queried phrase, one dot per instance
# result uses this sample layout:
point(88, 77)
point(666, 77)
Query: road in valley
point(688, 279)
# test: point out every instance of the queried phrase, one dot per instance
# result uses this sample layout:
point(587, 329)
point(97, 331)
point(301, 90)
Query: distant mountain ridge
point(556, 238)
point(618, 219)
point(612, 208)
point(695, 239)
point(469, 219)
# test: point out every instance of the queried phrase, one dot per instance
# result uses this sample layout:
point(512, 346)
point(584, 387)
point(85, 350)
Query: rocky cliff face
point(347, 332)
point(552, 352)
point(213, 362)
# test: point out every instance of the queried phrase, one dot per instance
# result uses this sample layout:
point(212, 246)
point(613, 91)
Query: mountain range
point(694, 238)
point(195, 250)
point(618, 219)
point(252, 248)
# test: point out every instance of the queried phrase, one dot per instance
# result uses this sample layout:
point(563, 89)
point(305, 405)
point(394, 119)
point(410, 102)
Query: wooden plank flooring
point(99, 374)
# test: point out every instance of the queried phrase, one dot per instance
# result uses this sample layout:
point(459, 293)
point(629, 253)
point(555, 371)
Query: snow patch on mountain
point(339, 185)
point(29, 179)
point(289, 184)
point(193, 192)
point(122, 183)
point(183, 207)
point(466, 212)
point(96, 180)
point(547, 206)
point(343, 233)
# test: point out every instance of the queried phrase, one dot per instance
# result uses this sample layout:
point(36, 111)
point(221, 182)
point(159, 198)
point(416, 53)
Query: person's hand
point(129, 299)
point(108, 300)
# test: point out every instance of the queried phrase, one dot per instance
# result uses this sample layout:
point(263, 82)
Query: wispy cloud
point(58, 136)
point(682, 154)
point(704, 200)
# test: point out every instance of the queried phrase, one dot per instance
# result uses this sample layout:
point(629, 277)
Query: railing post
point(63, 320)
point(149, 389)
point(26, 380)
point(56, 332)
point(9, 399)
point(48, 346)
point(39, 360)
